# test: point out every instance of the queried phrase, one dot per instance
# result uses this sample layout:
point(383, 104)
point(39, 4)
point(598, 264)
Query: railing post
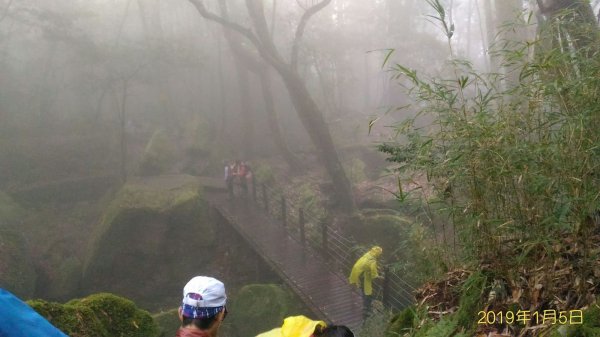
point(254, 189)
point(283, 212)
point(386, 286)
point(265, 198)
point(301, 224)
point(324, 238)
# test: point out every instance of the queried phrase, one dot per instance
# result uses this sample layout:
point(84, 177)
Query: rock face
point(153, 237)
point(98, 315)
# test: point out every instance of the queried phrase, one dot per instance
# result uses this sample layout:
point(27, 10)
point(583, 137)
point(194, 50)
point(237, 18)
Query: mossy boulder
point(158, 156)
point(154, 235)
point(74, 320)
point(98, 315)
point(262, 307)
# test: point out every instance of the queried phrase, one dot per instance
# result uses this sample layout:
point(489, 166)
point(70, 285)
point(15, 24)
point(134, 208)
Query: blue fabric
point(17, 319)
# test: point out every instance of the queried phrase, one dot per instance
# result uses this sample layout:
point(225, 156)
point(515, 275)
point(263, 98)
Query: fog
point(88, 72)
point(101, 97)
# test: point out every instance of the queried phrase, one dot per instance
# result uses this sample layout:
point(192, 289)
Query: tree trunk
point(273, 121)
point(306, 108)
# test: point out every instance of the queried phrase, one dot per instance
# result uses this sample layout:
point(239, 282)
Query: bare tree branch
point(247, 33)
point(300, 30)
point(257, 15)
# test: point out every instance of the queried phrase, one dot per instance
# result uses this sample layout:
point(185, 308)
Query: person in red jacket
point(203, 307)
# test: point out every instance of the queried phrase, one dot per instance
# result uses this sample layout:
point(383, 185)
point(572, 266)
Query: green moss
point(75, 321)
point(98, 315)
point(168, 322)
point(120, 316)
point(261, 307)
point(401, 323)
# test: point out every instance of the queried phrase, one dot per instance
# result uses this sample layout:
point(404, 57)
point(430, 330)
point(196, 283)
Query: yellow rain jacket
point(294, 326)
point(366, 266)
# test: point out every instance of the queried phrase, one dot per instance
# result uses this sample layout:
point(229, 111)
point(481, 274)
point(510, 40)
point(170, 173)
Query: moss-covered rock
point(74, 320)
point(98, 315)
point(17, 273)
point(262, 307)
point(119, 315)
point(168, 322)
point(152, 238)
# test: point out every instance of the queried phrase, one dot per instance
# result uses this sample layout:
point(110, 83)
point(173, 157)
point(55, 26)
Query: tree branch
point(257, 15)
point(300, 30)
point(243, 54)
point(247, 33)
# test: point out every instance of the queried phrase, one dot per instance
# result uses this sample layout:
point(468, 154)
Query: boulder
point(152, 238)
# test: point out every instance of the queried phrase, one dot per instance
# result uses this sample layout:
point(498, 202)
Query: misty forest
point(275, 144)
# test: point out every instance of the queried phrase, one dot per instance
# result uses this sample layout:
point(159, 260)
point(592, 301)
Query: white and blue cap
point(203, 297)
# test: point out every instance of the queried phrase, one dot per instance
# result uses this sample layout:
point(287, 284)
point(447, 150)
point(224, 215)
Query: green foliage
point(401, 323)
point(308, 199)
point(262, 307)
point(263, 173)
point(409, 244)
point(158, 155)
point(98, 315)
point(508, 161)
point(470, 300)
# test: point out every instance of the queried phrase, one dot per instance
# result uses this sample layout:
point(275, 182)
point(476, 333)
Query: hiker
point(366, 267)
point(17, 319)
point(301, 326)
point(202, 310)
point(229, 178)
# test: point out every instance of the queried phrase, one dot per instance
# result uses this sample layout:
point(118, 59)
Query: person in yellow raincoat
point(366, 267)
point(301, 326)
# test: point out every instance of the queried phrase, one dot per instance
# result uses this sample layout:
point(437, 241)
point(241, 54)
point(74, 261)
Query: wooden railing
point(315, 233)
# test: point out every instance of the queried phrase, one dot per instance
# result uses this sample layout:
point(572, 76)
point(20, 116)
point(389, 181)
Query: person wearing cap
point(366, 267)
point(301, 326)
point(203, 307)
